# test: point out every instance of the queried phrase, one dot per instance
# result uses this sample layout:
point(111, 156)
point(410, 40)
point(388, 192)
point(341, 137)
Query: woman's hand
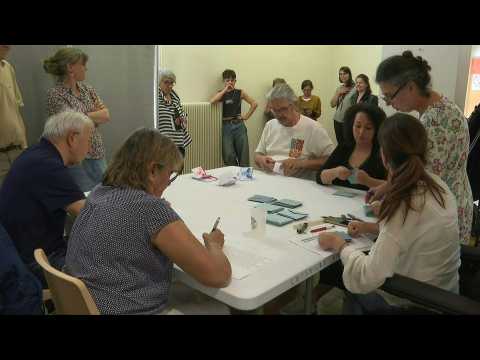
point(343, 173)
point(362, 177)
point(356, 228)
point(376, 193)
point(214, 239)
point(329, 241)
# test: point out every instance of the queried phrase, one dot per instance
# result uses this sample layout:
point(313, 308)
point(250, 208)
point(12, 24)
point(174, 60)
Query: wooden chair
point(69, 294)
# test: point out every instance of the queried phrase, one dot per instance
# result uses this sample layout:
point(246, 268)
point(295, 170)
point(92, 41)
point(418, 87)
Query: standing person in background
point(268, 108)
point(363, 92)
point(13, 138)
point(235, 148)
point(68, 65)
point(308, 104)
point(405, 83)
point(338, 100)
point(172, 119)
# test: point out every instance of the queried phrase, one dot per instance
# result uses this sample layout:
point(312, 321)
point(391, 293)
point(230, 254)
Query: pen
point(354, 218)
point(322, 228)
point(216, 224)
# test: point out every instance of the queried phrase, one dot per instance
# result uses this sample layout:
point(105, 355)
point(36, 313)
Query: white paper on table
point(277, 168)
point(243, 262)
point(227, 179)
point(310, 243)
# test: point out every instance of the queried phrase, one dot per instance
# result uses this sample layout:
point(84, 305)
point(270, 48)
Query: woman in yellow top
point(308, 104)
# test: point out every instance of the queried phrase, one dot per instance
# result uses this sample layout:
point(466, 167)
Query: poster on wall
point(475, 71)
point(476, 82)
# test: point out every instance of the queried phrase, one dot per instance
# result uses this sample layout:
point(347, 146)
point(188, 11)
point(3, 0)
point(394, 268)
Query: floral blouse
point(448, 144)
point(61, 98)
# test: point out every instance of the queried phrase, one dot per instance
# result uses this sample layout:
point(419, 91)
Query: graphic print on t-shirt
point(296, 147)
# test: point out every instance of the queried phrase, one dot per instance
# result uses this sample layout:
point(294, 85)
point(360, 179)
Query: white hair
point(166, 74)
point(282, 91)
point(60, 124)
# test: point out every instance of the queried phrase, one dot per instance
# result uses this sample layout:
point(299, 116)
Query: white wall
point(199, 73)
point(198, 70)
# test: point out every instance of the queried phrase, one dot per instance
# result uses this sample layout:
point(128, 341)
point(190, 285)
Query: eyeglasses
point(388, 98)
point(282, 109)
point(173, 175)
point(169, 82)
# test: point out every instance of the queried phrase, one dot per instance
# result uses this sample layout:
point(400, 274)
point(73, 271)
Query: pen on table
point(354, 218)
point(326, 227)
point(216, 224)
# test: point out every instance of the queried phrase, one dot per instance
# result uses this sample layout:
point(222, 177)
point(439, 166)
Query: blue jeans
point(89, 173)
point(364, 304)
point(235, 149)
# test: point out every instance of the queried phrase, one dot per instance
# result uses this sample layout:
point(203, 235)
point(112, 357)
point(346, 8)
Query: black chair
point(438, 300)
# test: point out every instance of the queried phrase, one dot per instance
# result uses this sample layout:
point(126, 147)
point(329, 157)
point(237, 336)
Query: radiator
point(205, 127)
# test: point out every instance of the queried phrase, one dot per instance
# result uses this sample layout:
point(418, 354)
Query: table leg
point(309, 296)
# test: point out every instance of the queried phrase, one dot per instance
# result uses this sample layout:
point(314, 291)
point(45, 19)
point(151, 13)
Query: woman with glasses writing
point(172, 119)
point(127, 238)
point(406, 85)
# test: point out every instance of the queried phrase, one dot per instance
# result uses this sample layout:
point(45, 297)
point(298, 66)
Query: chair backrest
point(69, 294)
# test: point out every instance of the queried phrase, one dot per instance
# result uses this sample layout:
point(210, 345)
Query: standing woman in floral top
point(68, 65)
point(406, 85)
point(172, 119)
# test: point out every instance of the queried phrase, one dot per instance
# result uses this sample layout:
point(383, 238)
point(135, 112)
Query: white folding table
point(287, 264)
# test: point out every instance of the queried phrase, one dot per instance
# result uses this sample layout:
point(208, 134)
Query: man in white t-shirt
point(300, 145)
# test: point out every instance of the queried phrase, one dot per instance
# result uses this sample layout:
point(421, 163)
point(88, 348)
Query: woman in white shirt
point(417, 229)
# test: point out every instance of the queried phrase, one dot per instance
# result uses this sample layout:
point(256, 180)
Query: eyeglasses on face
point(388, 98)
point(282, 110)
point(173, 174)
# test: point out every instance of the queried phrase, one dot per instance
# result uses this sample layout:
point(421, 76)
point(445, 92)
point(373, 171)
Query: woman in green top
point(308, 104)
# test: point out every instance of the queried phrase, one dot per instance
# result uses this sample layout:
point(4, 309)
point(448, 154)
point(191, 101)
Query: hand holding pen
point(215, 239)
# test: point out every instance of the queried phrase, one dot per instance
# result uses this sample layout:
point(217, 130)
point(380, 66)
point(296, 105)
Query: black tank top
point(232, 104)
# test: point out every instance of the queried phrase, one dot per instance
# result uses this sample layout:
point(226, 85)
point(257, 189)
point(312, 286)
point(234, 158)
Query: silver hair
point(166, 74)
point(60, 124)
point(282, 91)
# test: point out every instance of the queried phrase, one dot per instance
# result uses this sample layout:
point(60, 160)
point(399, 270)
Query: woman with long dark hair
point(417, 229)
point(338, 100)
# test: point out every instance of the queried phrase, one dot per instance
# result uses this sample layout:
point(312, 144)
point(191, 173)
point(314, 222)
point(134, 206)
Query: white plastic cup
point(258, 220)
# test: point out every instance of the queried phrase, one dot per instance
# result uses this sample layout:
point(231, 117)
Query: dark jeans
point(235, 149)
point(355, 304)
point(338, 131)
point(56, 259)
point(366, 304)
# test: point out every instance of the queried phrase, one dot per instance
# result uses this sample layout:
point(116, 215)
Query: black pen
point(216, 224)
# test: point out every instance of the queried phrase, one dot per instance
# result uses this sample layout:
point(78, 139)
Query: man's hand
point(266, 163)
point(291, 166)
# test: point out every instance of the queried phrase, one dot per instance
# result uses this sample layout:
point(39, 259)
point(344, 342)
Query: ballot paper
point(310, 242)
point(277, 168)
point(244, 262)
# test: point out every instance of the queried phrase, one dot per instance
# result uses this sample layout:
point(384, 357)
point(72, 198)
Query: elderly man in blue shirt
point(39, 191)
